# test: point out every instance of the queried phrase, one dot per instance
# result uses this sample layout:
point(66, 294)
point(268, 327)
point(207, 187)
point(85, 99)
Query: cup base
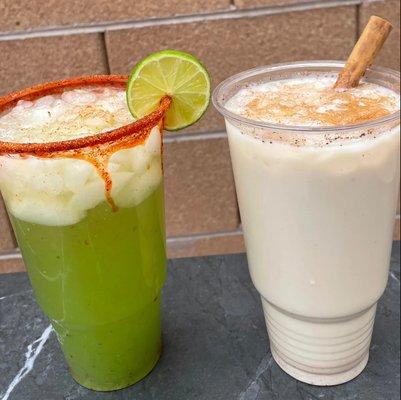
point(88, 384)
point(320, 379)
point(320, 351)
point(113, 355)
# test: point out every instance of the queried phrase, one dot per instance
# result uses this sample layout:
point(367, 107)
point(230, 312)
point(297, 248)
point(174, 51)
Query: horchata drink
point(317, 175)
point(83, 184)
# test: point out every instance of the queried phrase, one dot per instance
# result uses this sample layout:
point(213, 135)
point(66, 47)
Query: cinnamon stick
point(365, 51)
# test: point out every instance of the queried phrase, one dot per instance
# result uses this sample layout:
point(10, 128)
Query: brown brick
point(6, 237)
point(205, 245)
point(267, 3)
point(18, 15)
point(390, 9)
point(230, 46)
point(11, 265)
point(200, 194)
point(27, 62)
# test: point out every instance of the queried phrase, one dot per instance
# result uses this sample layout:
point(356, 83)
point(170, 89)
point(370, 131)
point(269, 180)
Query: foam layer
point(59, 192)
point(70, 115)
point(311, 101)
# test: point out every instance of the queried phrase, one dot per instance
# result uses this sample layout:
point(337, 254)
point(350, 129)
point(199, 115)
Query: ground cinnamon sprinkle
point(305, 104)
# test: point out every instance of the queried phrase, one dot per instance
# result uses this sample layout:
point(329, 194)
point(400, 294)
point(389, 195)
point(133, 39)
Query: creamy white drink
point(317, 189)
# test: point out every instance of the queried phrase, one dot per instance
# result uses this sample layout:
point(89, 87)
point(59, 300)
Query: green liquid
point(99, 282)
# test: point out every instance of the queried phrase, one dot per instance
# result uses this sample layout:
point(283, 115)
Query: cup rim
point(136, 129)
point(254, 72)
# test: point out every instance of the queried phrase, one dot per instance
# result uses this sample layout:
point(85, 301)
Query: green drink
point(88, 215)
point(83, 185)
point(99, 282)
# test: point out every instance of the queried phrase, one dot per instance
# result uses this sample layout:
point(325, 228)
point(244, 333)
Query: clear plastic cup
point(317, 208)
point(88, 215)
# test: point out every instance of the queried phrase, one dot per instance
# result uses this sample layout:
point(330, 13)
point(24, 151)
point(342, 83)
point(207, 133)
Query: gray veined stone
point(215, 344)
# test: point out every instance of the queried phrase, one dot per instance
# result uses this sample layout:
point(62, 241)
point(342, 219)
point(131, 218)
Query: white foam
point(306, 101)
point(60, 191)
point(70, 115)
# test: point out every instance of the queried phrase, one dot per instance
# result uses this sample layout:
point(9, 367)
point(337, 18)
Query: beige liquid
point(317, 213)
point(317, 220)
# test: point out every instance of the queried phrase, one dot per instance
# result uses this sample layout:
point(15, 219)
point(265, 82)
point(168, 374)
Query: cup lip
point(135, 129)
point(254, 72)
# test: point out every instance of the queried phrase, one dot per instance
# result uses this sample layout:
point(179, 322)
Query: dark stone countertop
point(215, 344)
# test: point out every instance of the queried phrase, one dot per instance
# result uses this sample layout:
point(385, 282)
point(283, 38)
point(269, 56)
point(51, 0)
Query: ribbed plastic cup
point(88, 215)
point(317, 208)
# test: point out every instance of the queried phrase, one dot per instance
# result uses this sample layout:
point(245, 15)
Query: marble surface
point(215, 344)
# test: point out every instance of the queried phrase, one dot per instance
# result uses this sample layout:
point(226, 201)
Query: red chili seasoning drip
point(96, 149)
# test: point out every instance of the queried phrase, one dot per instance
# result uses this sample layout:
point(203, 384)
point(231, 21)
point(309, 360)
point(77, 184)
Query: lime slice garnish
point(176, 74)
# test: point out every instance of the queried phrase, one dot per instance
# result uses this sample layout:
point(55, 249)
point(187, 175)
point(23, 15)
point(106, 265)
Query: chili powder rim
point(134, 130)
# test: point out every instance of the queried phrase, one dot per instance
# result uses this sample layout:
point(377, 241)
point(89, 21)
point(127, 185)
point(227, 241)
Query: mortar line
point(175, 239)
point(10, 255)
point(229, 14)
point(188, 137)
point(16, 254)
point(106, 53)
point(358, 22)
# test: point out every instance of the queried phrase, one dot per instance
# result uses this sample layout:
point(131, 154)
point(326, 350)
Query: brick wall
point(47, 40)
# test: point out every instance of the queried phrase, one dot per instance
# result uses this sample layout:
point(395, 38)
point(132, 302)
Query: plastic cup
point(317, 208)
point(88, 215)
